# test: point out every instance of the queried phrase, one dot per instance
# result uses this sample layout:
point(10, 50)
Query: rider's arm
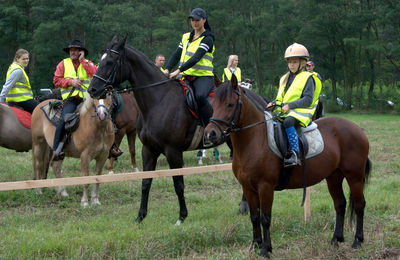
point(12, 79)
point(205, 46)
point(58, 79)
point(306, 97)
point(174, 58)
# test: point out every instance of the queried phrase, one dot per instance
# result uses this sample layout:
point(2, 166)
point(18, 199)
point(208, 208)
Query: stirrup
point(115, 151)
point(58, 154)
point(291, 159)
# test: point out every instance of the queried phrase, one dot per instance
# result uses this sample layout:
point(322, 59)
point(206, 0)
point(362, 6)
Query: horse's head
point(101, 106)
point(226, 105)
point(108, 74)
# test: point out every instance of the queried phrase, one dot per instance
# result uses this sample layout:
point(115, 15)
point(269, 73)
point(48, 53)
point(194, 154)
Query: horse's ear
point(124, 39)
point(234, 82)
point(217, 81)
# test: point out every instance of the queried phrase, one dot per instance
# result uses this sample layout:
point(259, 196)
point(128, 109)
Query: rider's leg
point(291, 159)
point(28, 105)
point(69, 107)
point(202, 87)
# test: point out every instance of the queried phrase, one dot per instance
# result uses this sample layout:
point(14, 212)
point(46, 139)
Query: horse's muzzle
point(213, 135)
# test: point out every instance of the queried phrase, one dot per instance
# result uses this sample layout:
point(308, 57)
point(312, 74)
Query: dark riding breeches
point(28, 105)
point(69, 107)
point(202, 86)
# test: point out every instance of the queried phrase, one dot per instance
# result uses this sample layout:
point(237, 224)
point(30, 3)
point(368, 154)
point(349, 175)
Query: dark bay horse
point(90, 141)
point(257, 168)
point(165, 125)
point(125, 122)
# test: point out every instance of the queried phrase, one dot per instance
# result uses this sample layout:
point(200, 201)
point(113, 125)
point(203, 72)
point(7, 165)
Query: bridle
point(230, 125)
point(109, 82)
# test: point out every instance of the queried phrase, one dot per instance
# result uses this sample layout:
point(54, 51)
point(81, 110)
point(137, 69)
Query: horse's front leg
point(131, 143)
point(100, 161)
point(175, 160)
point(149, 164)
point(266, 198)
point(85, 160)
point(254, 205)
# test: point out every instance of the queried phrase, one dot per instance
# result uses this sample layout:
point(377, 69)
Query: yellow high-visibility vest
point(304, 115)
point(228, 73)
point(70, 73)
point(204, 67)
point(21, 91)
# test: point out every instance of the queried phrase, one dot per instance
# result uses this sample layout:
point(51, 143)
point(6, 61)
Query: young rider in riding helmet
point(297, 98)
point(195, 55)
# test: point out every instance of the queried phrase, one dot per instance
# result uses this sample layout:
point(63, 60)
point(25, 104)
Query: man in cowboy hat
point(72, 76)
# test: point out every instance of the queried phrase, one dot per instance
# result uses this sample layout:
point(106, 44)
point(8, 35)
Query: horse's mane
point(144, 57)
point(87, 104)
point(225, 90)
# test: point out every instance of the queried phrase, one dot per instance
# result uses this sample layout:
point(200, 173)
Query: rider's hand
point(285, 108)
point(81, 55)
point(270, 106)
point(166, 72)
point(174, 74)
point(76, 82)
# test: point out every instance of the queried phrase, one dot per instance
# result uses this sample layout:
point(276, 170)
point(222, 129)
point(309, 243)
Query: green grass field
point(34, 226)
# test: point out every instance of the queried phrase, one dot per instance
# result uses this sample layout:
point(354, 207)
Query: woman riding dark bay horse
point(257, 168)
point(166, 126)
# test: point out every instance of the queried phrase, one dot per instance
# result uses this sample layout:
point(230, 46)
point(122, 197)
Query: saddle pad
point(52, 113)
point(23, 116)
point(312, 134)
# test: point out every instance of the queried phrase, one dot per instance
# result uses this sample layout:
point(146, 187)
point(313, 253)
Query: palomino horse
point(91, 140)
point(257, 168)
point(125, 122)
point(165, 124)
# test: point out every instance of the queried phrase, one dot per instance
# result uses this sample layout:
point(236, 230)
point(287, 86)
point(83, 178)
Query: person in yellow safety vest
point(297, 98)
point(320, 109)
point(17, 88)
point(195, 55)
point(159, 61)
point(72, 74)
point(232, 68)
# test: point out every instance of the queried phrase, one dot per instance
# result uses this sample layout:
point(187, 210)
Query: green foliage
point(353, 43)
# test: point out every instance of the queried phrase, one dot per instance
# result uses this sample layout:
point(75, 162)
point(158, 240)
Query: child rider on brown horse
point(296, 100)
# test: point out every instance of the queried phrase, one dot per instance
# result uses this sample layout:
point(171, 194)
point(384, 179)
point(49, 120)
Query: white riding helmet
point(297, 50)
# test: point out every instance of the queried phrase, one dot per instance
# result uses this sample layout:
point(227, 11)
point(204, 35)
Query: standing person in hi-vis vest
point(72, 74)
point(232, 68)
point(195, 55)
point(297, 98)
point(17, 88)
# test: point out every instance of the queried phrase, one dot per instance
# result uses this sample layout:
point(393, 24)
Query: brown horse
point(91, 140)
point(257, 168)
point(13, 135)
point(125, 122)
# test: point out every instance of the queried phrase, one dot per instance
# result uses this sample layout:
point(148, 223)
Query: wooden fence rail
point(32, 184)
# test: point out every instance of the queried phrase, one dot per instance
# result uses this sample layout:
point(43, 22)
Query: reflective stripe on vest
point(204, 67)
point(21, 91)
point(293, 93)
point(70, 73)
point(228, 74)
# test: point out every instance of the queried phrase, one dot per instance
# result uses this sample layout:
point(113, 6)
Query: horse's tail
point(368, 167)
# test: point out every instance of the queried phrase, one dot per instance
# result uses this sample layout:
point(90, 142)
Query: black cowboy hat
point(76, 44)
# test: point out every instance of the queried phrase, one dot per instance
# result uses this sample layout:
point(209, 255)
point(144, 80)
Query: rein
point(231, 123)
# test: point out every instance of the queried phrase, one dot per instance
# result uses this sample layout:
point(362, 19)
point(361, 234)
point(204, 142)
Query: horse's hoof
point(179, 222)
point(64, 194)
point(110, 172)
point(200, 162)
point(264, 253)
point(139, 219)
point(335, 240)
point(356, 244)
point(84, 204)
point(95, 202)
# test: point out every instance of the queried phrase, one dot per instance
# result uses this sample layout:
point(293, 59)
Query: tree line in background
point(355, 45)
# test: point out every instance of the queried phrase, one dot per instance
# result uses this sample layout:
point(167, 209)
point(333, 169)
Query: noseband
point(231, 123)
